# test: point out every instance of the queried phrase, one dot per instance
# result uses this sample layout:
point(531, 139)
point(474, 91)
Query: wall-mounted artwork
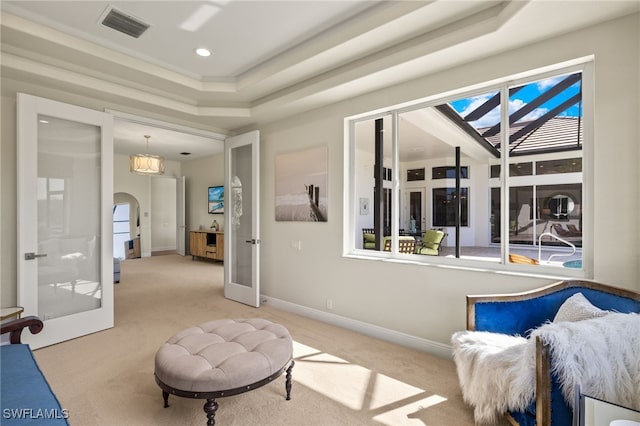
point(364, 206)
point(216, 199)
point(301, 185)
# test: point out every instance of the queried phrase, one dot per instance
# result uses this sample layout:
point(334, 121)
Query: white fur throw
point(601, 355)
point(496, 372)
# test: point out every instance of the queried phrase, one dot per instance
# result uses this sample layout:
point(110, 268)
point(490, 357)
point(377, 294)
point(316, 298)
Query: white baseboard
point(403, 339)
point(163, 248)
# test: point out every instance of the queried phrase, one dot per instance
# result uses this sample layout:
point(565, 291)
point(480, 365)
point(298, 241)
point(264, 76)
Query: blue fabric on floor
point(27, 398)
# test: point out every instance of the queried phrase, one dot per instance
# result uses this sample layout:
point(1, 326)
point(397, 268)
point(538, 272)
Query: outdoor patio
point(492, 253)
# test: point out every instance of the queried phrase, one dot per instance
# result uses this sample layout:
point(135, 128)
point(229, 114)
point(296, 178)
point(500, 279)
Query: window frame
point(464, 191)
point(583, 65)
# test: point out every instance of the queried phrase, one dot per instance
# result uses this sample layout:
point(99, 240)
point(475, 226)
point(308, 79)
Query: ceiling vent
point(124, 23)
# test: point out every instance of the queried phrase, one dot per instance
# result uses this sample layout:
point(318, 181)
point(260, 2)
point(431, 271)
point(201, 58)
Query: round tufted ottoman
point(223, 358)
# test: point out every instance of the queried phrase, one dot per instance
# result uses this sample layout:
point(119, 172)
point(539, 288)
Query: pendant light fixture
point(146, 164)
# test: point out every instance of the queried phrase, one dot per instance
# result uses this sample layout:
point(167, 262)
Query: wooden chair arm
point(543, 383)
point(16, 326)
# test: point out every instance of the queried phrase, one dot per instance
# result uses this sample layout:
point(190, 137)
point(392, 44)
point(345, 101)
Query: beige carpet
point(340, 377)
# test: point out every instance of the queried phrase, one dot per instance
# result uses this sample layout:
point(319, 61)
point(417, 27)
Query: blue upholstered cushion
point(562, 415)
point(26, 396)
point(526, 417)
point(523, 316)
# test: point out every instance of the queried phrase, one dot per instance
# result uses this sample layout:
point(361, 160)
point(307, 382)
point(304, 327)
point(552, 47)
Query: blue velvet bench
point(26, 397)
point(520, 313)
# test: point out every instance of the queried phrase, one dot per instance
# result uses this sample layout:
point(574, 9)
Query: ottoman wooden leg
point(287, 384)
point(165, 396)
point(210, 408)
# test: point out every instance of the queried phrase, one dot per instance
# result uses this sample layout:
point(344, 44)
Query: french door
point(242, 219)
point(65, 235)
point(180, 216)
point(415, 213)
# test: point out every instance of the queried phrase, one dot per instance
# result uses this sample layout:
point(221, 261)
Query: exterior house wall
point(477, 233)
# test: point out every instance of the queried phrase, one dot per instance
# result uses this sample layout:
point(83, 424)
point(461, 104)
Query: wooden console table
point(207, 244)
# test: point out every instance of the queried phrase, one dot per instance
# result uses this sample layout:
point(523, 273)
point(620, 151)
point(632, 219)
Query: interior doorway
point(126, 221)
point(163, 220)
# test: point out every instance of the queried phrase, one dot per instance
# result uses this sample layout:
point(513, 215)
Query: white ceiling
point(241, 34)
point(270, 59)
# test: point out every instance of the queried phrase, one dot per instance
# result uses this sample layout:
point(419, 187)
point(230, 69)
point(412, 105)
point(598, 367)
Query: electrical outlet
point(329, 304)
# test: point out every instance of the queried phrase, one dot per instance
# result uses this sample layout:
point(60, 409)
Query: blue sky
point(519, 99)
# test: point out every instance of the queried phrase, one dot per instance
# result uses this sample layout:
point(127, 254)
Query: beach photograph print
point(301, 186)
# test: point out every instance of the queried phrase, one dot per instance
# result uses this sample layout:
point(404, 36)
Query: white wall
point(140, 187)
point(200, 174)
point(429, 301)
point(163, 214)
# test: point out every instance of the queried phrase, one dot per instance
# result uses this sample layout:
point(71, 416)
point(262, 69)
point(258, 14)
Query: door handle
point(31, 256)
point(253, 241)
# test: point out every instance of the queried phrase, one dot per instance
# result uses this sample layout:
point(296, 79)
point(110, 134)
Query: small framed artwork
point(364, 206)
point(216, 199)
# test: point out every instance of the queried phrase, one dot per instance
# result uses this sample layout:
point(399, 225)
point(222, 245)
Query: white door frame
point(180, 216)
point(234, 245)
point(422, 221)
point(70, 326)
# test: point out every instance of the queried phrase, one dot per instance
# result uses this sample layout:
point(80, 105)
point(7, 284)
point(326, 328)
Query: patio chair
point(406, 244)
point(431, 241)
point(368, 238)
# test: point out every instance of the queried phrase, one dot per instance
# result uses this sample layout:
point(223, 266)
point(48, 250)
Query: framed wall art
point(216, 199)
point(301, 185)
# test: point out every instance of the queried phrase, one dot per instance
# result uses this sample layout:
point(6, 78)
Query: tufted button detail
point(223, 354)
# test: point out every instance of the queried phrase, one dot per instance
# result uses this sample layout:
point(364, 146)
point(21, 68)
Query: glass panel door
point(65, 168)
point(242, 237)
point(417, 220)
point(180, 216)
point(68, 217)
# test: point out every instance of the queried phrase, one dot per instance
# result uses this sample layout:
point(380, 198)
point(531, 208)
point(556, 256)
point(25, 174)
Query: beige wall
point(8, 187)
point(429, 302)
point(201, 174)
point(140, 188)
point(163, 214)
point(422, 301)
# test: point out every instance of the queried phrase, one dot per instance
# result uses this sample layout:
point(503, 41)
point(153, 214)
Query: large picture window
point(534, 128)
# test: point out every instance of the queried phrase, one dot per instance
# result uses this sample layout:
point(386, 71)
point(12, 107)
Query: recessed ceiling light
point(201, 51)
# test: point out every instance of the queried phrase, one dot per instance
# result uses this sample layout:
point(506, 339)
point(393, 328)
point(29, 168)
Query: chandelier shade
point(146, 164)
